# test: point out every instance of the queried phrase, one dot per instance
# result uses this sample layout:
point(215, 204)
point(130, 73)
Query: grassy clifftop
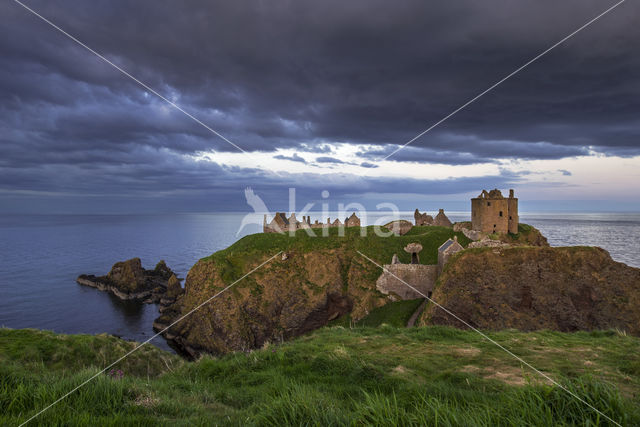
point(317, 280)
point(320, 279)
point(385, 376)
point(233, 261)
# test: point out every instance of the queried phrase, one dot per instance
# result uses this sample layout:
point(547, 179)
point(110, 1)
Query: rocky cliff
point(313, 281)
point(530, 288)
point(284, 299)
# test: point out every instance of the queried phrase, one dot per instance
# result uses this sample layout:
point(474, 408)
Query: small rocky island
point(128, 280)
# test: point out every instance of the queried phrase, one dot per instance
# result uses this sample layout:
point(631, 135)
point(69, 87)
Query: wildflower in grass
point(116, 374)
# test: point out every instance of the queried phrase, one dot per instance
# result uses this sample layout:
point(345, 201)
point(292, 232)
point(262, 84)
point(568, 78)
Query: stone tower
point(493, 213)
point(514, 219)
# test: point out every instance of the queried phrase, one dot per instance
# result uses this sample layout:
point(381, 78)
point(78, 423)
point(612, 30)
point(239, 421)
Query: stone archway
point(414, 249)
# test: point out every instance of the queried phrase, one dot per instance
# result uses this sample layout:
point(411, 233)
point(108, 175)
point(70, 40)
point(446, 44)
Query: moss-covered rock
point(128, 276)
point(527, 235)
point(173, 287)
point(162, 270)
point(129, 280)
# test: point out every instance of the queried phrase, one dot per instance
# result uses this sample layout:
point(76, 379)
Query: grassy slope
point(334, 375)
point(395, 314)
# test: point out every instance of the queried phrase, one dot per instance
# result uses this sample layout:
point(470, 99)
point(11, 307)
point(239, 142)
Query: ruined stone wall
point(421, 277)
point(470, 234)
point(277, 225)
point(352, 221)
point(280, 223)
point(514, 219)
point(422, 218)
point(443, 258)
point(442, 220)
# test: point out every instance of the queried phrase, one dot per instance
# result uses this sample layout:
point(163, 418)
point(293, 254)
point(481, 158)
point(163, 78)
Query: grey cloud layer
point(300, 74)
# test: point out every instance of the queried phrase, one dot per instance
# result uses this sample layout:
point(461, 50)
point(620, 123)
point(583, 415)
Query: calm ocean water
point(41, 255)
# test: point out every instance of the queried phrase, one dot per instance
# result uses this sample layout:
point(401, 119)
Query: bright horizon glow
point(592, 177)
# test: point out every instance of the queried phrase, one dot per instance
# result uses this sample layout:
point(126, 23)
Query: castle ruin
point(491, 212)
point(281, 224)
point(425, 219)
point(422, 218)
point(352, 221)
point(421, 277)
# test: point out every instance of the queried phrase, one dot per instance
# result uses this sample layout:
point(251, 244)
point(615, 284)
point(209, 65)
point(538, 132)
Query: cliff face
point(530, 288)
point(315, 280)
point(284, 299)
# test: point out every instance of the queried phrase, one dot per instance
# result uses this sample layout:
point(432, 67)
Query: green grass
point(525, 232)
point(395, 314)
point(59, 352)
point(333, 376)
point(524, 228)
point(235, 260)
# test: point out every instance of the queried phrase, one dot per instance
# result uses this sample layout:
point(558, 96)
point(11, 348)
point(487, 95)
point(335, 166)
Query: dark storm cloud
point(294, 158)
point(317, 148)
point(302, 75)
point(368, 165)
point(454, 150)
point(176, 184)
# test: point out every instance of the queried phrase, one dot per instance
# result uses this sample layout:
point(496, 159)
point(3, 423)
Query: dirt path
point(416, 314)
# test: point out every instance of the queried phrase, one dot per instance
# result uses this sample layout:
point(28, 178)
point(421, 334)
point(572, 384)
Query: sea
point(41, 256)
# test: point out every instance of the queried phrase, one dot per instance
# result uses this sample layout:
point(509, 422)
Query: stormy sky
point(316, 94)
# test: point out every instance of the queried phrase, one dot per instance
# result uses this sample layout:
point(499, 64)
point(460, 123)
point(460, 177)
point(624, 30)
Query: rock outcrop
point(526, 236)
point(128, 280)
point(488, 243)
point(530, 288)
point(284, 299)
point(399, 227)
